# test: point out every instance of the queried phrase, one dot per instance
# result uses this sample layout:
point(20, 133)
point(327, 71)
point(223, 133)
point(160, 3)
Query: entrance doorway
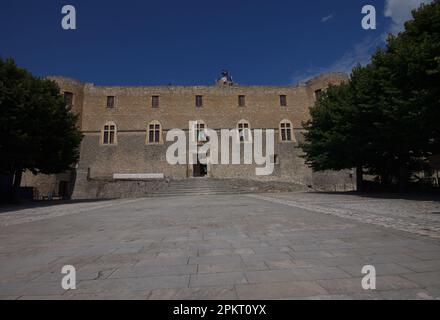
point(200, 170)
point(63, 189)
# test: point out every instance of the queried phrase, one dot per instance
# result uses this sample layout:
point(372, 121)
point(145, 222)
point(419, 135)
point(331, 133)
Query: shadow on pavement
point(408, 196)
point(7, 207)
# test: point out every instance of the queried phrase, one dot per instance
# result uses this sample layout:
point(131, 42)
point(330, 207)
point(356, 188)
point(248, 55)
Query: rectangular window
point(106, 134)
point(68, 97)
point(244, 132)
point(199, 101)
point(110, 101)
point(112, 134)
point(289, 134)
point(283, 100)
point(155, 101)
point(275, 159)
point(318, 94)
point(241, 101)
point(283, 134)
point(200, 132)
point(151, 135)
point(156, 133)
point(286, 132)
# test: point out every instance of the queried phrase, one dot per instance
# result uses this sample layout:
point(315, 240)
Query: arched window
point(286, 133)
point(198, 128)
point(109, 133)
point(154, 132)
point(244, 131)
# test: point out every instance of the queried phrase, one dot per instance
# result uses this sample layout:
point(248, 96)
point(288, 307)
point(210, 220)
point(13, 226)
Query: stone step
point(201, 187)
point(200, 190)
point(198, 186)
point(167, 194)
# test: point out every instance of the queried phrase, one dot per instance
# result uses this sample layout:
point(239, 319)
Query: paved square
point(260, 246)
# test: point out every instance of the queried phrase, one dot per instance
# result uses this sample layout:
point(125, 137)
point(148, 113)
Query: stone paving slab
point(203, 293)
point(272, 246)
point(148, 271)
point(425, 279)
point(280, 290)
point(217, 279)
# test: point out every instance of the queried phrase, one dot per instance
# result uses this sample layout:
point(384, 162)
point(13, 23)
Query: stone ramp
point(212, 186)
point(199, 186)
point(121, 189)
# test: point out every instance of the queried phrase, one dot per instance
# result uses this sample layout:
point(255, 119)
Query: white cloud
point(360, 53)
point(399, 11)
point(327, 18)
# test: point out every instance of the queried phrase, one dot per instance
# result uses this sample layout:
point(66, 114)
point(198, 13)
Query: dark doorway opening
point(63, 189)
point(200, 170)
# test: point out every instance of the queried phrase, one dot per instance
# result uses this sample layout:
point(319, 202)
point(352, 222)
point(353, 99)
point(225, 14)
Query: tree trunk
point(359, 178)
point(384, 179)
point(16, 185)
point(403, 177)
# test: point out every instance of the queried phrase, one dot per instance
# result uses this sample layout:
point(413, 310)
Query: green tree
point(37, 130)
point(326, 142)
point(340, 134)
point(385, 119)
point(409, 75)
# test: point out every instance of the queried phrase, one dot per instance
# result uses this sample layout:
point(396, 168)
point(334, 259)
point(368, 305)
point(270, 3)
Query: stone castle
point(125, 127)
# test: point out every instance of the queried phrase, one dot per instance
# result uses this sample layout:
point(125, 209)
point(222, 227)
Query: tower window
point(318, 94)
point(283, 100)
point(241, 101)
point(110, 101)
point(68, 97)
point(199, 101)
point(155, 101)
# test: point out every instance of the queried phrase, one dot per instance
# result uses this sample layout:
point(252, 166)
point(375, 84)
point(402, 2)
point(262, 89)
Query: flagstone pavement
point(259, 246)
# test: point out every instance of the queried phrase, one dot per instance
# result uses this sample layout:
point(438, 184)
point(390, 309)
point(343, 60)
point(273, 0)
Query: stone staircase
point(198, 186)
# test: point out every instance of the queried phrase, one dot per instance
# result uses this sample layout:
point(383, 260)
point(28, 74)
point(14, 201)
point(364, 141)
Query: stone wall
point(88, 188)
point(46, 185)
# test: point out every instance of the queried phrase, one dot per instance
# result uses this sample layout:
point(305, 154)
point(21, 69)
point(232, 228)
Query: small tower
point(225, 79)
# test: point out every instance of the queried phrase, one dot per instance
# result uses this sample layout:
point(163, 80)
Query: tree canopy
point(37, 129)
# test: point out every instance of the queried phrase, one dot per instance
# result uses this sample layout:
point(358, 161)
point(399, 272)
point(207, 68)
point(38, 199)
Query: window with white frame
point(109, 133)
point(286, 131)
point(154, 132)
point(244, 131)
point(199, 131)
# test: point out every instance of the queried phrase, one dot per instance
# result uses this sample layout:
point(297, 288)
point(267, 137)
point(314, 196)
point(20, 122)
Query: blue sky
point(276, 42)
